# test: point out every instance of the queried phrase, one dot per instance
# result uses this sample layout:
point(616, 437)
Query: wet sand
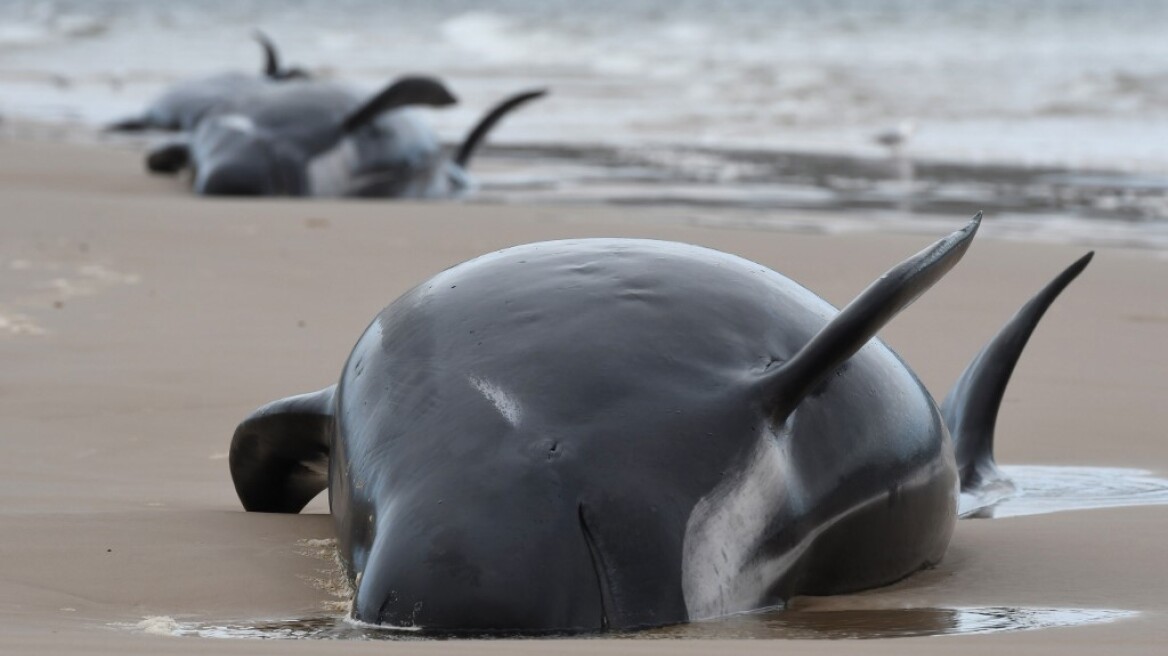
point(140, 324)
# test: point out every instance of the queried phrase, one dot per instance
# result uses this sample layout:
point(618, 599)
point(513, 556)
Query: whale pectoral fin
point(406, 91)
point(170, 157)
point(971, 408)
point(859, 321)
point(135, 124)
point(279, 455)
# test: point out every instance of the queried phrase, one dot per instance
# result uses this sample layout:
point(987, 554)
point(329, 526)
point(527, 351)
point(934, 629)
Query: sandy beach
point(139, 324)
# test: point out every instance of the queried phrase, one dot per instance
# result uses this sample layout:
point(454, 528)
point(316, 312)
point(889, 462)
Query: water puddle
point(770, 625)
point(1040, 490)
point(1044, 490)
point(835, 193)
point(886, 623)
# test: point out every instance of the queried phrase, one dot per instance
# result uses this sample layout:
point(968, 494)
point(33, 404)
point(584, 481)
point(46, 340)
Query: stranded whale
point(615, 433)
point(185, 103)
point(322, 139)
point(262, 144)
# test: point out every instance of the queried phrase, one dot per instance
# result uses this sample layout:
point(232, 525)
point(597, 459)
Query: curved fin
point(484, 126)
point(850, 330)
point(272, 68)
point(271, 55)
point(414, 90)
point(971, 408)
point(279, 454)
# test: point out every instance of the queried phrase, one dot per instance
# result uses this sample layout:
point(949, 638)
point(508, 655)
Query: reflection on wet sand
point(1039, 490)
point(1044, 490)
point(770, 625)
point(886, 623)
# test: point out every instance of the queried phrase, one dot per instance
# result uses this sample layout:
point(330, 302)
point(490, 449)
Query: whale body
point(595, 434)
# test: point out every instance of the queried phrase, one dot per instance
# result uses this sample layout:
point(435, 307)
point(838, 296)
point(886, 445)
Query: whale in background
point(323, 139)
point(185, 103)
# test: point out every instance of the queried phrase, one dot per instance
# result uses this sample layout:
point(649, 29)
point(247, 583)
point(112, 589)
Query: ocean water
point(1044, 108)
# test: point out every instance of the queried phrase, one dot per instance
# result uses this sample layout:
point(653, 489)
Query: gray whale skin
point(595, 434)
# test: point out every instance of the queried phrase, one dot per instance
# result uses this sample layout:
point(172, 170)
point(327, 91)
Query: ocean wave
point(43, 25)
point(1038, 84)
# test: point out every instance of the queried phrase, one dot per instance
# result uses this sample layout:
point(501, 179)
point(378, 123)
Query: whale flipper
point(134, 124)
point(414, 90)
point(858, 322)
point(484, 126)
point(279, 454)
point(971, 408)
point(169, 157)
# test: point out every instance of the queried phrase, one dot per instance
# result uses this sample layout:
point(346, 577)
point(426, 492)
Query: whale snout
point(507, 574)
point(236, 179)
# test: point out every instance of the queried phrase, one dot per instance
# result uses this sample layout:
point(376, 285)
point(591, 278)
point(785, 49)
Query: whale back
point(615, 385)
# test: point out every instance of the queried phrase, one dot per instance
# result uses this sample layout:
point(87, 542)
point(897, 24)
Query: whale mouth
point(598, 566)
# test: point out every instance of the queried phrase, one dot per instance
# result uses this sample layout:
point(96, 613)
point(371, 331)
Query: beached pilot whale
point(323, 139)
point(185, 103)
point(614, 433)
point(402, 159)
point(263, 144)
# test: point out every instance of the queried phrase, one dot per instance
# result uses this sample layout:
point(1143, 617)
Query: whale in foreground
point(594, 434)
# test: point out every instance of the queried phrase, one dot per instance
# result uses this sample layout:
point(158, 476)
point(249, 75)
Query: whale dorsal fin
point(279, 455)
point(480, 130)
point(859, 321)
point(271, 55)
point(273, 70)
point(971, 408)
point(412, 90)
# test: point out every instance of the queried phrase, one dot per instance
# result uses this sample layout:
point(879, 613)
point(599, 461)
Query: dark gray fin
point(272, 68)
point(850, 330)
point(170, 157)
point(136, 124)
point(413, 90)
point(271, 55)
point(472, 140)
point(971, 408)
point(279, 455)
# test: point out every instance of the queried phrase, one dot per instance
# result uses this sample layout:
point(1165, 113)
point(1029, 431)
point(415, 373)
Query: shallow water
point(1040, 490)
point(771, 625)
point(1049, 115)
point(838, 193)
point(1045, 81)
point(1044, 490)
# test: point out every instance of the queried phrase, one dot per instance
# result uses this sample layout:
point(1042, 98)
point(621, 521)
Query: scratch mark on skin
point(503, 401)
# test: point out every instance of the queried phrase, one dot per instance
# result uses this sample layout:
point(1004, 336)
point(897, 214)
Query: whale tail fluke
point(790, 381)
point(971, 408)
point(279, 455)
point(476, 135)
